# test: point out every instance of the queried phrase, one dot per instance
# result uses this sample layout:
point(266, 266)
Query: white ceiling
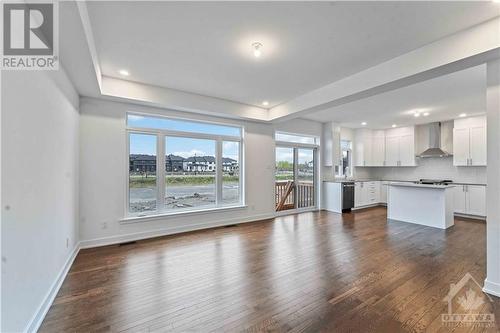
point(445, 98)
point(205, 48)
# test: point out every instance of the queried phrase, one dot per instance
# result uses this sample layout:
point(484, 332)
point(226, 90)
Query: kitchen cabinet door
point(358, 194)
point(383, 192)
point(459, 200)
point(378, 151)
point(477, 146)
point(406, 150)
point(391, 151)
point(460, 146)
point(372, 192)
point(476, 200)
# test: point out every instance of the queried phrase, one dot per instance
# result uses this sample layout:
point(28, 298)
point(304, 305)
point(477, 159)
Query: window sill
point(136, 219)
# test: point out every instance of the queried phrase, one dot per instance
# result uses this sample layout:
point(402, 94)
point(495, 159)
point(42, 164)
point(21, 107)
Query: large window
point(200, 165)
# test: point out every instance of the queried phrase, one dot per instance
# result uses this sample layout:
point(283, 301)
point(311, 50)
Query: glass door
point(285, 178)
point(295, 178)
point(305, 179)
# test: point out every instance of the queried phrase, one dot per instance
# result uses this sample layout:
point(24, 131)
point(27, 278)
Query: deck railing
point(285, 194)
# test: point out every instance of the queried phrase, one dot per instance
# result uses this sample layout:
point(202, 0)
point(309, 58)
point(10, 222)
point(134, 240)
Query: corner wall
point(492, 283)
point(39, 191)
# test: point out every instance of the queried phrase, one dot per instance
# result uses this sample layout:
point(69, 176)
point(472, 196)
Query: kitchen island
point(429, 205)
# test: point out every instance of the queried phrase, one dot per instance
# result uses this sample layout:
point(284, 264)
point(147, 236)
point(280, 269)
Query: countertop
point(407, 184)
point(391, 180)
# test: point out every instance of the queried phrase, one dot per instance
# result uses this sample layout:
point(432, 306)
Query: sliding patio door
point(295, 178)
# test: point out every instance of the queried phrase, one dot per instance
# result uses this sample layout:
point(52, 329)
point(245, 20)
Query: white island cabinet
point(429, 205)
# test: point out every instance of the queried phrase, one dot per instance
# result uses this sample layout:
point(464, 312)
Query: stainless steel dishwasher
point(347, 196)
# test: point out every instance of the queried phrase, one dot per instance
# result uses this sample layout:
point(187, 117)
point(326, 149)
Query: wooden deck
point(286, 196)
point(311, 272)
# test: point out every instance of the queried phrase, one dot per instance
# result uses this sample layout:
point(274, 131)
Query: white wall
point(39, 190)
point(492, 283)
point(103, 174)
point(434, 168)
point(300, 126)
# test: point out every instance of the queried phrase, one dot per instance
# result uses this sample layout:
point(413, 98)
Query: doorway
point(295, 178)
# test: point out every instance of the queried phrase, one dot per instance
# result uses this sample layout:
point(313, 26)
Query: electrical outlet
point(104, 225)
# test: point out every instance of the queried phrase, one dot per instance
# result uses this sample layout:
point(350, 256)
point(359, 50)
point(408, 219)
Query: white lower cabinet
point(470, 200)
point(366, 193)
point(383, 192)
point(358, 194)
point(476, 200)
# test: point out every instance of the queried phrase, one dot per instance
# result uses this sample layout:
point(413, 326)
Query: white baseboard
point(491, 288)
point(474, 217)
point(44, 307)
point(85, 244)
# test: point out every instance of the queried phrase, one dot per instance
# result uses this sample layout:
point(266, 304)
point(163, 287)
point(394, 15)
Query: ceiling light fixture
point(265, 103)
point(256, 49)
point(124, 72)
point(393, 125)
point(426, 114)
point(363, 123)
point(463, 115)
point(416, 115)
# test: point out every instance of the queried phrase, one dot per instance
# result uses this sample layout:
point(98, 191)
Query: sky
point(286, 154)
point(185, 147)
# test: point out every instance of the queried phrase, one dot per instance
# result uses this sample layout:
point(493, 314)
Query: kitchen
point(397, 166)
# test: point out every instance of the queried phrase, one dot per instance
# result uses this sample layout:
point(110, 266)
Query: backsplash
point(433, 168)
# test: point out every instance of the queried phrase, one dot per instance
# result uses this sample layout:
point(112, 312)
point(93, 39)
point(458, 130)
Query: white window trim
point(161, 135)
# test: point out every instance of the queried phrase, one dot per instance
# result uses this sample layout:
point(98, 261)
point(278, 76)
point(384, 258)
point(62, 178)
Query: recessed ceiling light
point(265, 103)
point(363, 123)
point(416, 115)
point(257, 52)
point(124, 72)
point(463, 115)
point(393, 125)
point(426, 114)
point(497, 1)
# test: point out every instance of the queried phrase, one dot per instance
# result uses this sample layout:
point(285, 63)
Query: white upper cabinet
point(400, 147)
point(378, 148)
point(478, 145)
point(391, 151)
point(363, 147)
point(407, 150)
point(469, 141)
point(460, 146)
point(394, 147)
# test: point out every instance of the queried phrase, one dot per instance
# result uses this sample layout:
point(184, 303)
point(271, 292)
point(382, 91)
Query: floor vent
point(127, 243)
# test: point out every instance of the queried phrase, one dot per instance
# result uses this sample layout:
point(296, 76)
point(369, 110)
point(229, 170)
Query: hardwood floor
point(302, 273)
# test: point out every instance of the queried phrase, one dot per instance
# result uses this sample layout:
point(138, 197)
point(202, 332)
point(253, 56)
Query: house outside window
point(181, 165)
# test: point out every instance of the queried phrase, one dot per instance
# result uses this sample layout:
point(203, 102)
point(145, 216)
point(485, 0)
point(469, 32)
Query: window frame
point(161, 135)
point(341, 173)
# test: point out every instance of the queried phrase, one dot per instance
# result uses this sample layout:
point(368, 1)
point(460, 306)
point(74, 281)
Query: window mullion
point(218, 171)
point(160, 172)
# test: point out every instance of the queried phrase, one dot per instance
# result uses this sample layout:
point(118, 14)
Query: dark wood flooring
point(311, 272)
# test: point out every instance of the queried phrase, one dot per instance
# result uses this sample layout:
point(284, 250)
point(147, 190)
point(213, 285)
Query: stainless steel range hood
point(434, 149)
